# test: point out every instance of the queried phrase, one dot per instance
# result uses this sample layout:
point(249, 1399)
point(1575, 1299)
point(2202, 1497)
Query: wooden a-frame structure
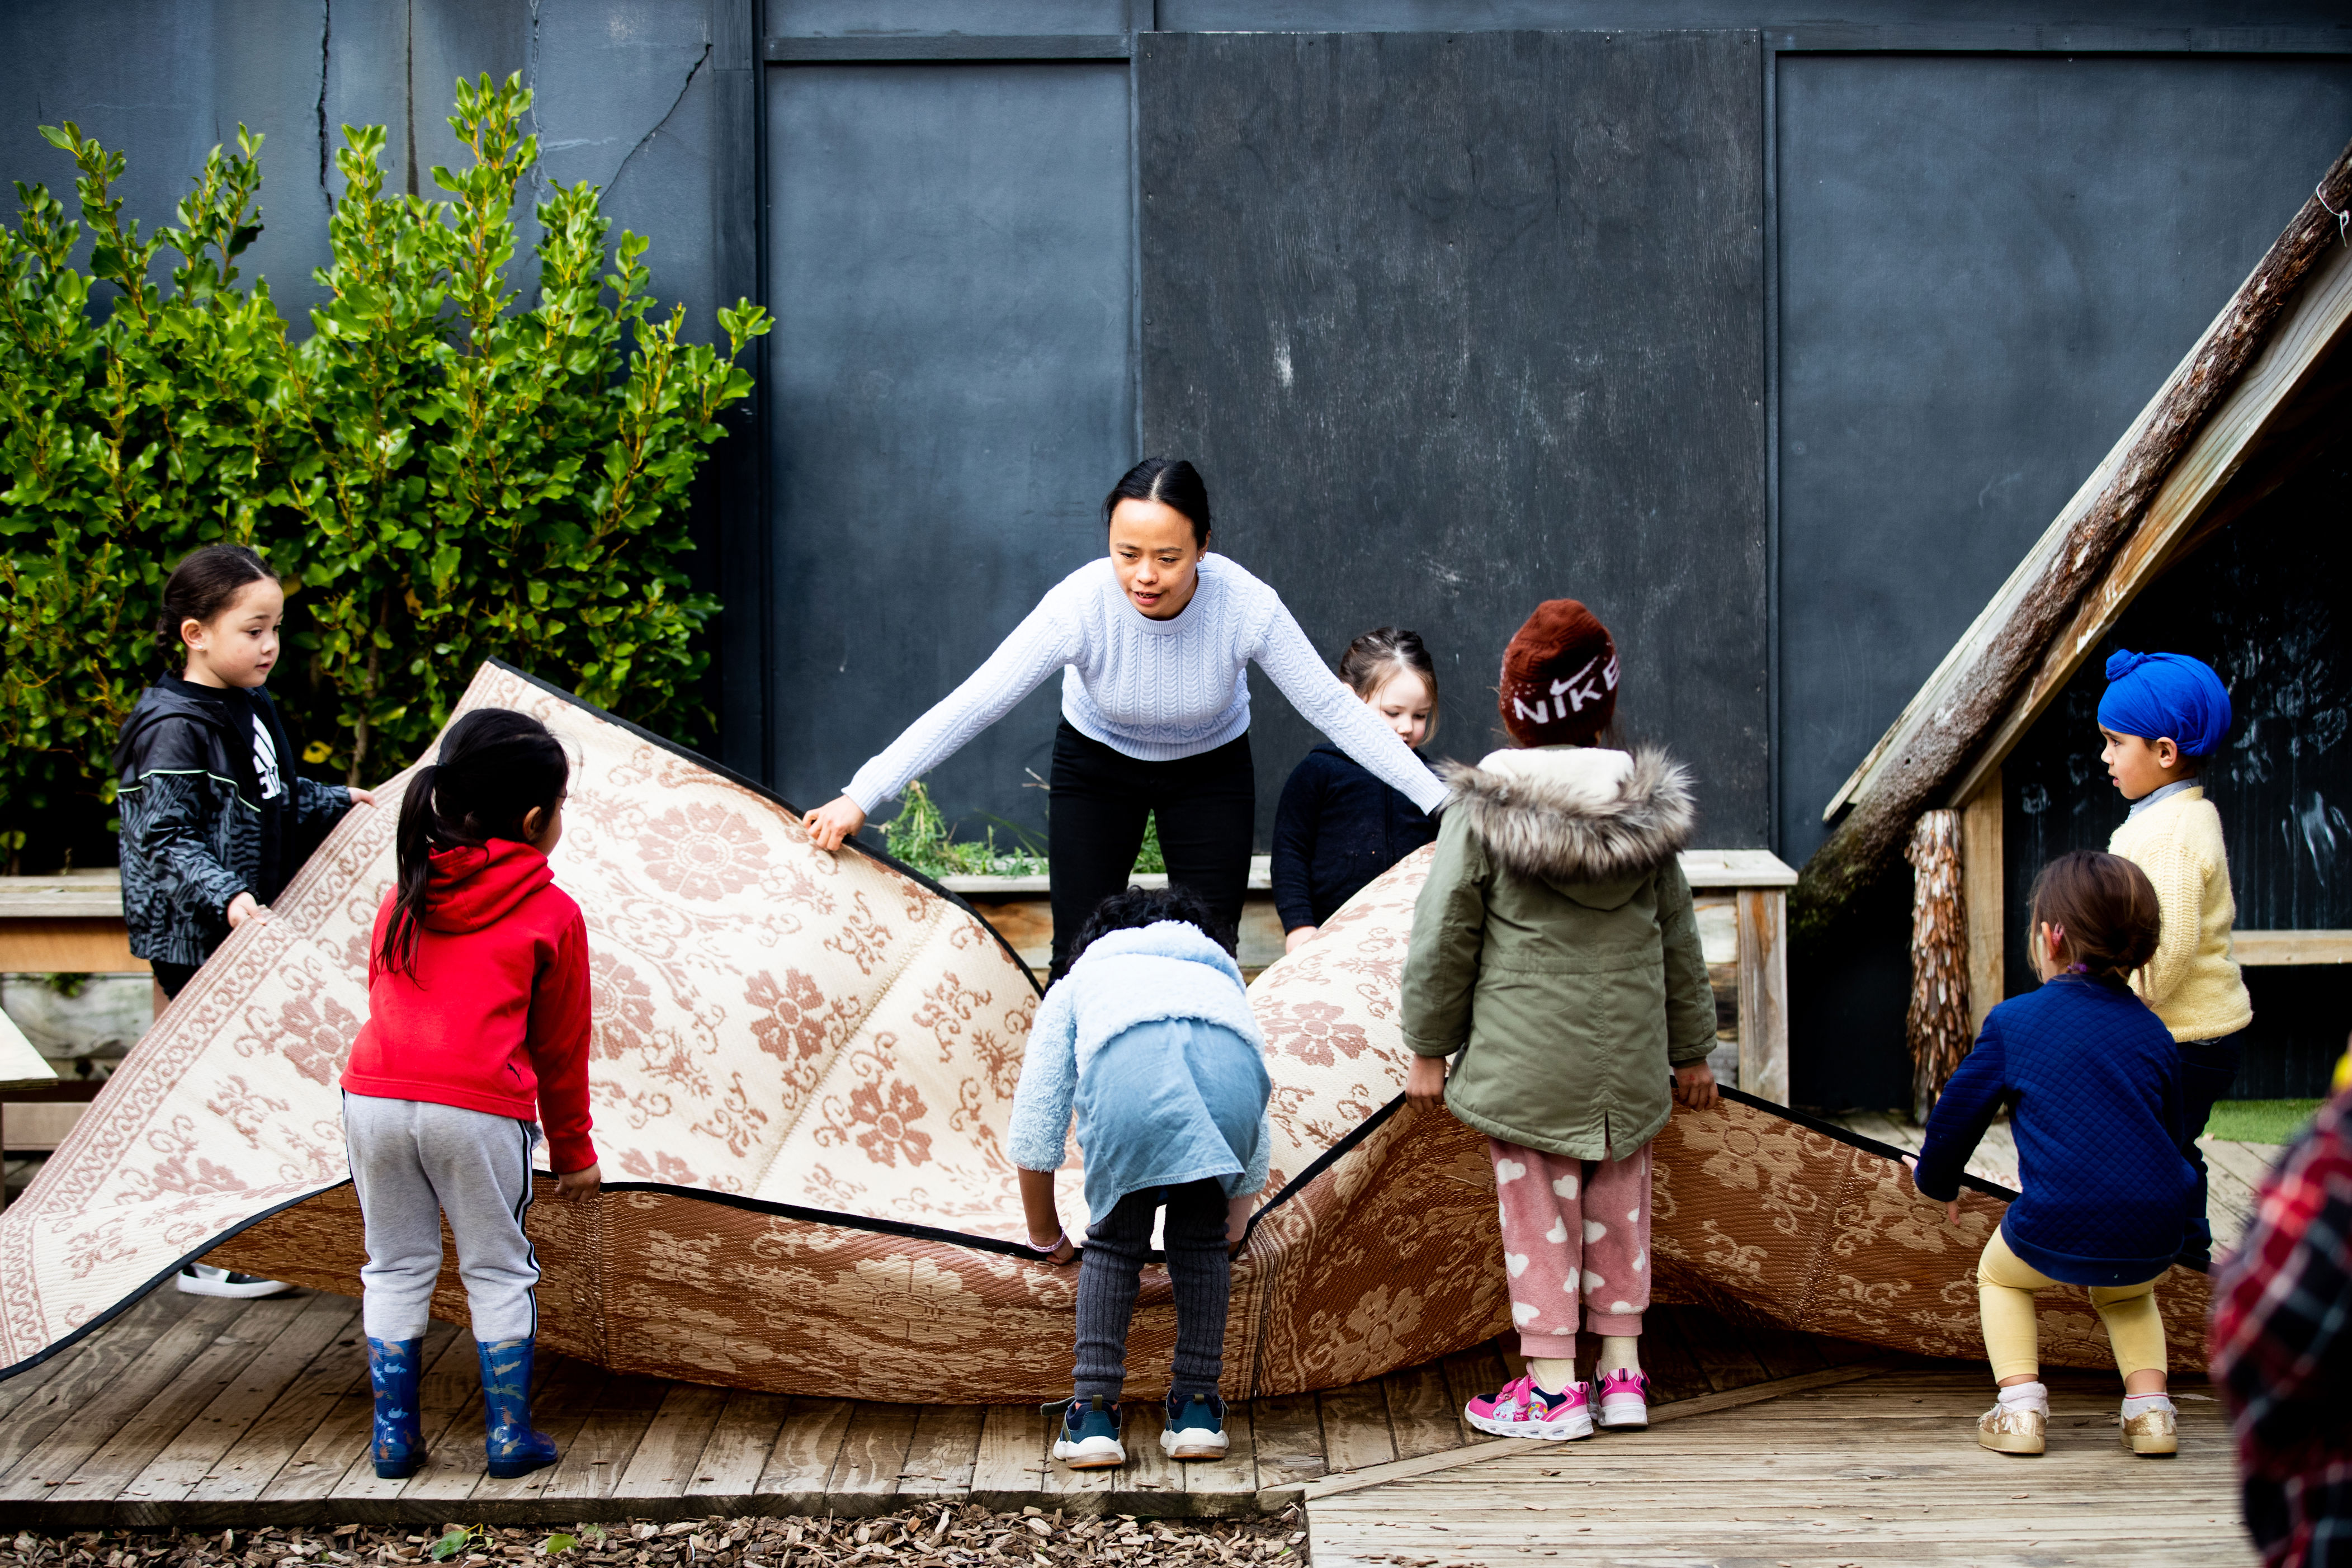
point(2263, 393)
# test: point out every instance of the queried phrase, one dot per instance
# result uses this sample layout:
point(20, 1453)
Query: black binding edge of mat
point(764, 793)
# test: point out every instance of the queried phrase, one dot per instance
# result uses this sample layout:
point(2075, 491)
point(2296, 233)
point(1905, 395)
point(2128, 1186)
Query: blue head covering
point(2153, 695)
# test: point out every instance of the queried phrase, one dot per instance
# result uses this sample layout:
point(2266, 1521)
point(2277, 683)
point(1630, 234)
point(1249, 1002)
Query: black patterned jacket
point(196, 832)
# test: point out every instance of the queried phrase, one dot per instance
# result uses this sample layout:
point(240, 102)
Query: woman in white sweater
point(1151, 642)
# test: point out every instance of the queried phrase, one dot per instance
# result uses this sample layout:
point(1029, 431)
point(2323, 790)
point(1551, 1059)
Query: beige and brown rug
point(803, 1070)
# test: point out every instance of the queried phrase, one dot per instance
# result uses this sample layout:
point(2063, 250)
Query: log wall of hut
point(2262, 600)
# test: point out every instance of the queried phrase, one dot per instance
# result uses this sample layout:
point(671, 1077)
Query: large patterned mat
point(804, 1070)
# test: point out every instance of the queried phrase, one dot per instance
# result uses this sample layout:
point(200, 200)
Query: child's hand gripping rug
point(804, 1070)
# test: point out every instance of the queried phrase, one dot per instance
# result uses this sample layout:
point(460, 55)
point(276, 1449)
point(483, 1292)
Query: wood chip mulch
point(936, 1537)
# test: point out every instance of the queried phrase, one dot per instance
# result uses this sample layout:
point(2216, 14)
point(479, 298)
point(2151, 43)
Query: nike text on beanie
point(1559, 677)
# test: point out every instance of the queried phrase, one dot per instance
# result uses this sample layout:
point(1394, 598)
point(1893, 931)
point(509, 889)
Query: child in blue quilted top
point(2093, 1088)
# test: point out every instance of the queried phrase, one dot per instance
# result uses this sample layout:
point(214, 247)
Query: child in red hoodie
point(477, 1020)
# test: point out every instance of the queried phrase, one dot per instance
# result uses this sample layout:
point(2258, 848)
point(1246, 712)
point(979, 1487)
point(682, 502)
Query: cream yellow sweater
point(2193, 981)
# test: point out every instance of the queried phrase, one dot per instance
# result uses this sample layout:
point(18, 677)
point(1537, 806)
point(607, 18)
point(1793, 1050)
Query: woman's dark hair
point(1380, 653)
point(497, 767)
point(1140, 907)
point(1170, 481)
point(201, 585)
point(2104, 910)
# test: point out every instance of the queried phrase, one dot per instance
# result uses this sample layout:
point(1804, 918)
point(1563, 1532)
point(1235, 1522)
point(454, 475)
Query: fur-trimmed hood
point(1576, 814)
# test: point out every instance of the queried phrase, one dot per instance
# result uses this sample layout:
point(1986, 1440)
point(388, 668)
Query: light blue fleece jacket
point(1168, 972)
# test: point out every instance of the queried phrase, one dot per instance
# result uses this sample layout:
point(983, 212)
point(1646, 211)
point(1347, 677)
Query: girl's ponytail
point(414, 843)
point(495, 767)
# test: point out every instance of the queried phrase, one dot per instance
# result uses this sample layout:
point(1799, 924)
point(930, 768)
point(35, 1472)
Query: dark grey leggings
point(1116, 1245)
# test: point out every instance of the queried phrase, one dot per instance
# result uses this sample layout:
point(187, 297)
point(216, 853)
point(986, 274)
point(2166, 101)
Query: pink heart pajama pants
point(1576, 1242)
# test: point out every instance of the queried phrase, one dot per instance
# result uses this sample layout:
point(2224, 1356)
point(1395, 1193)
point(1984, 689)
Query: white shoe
point(204, 1279)
point(1088, 1437)
point(1195, 1430)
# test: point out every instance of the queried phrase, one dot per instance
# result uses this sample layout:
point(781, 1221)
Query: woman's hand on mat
point(360, 796)
point(579, 1187)
point(832, 824)
point(1424, 1082)
point(243, 907)
point(1695, 1085)
point(1298, 937)
point(1911, 1175)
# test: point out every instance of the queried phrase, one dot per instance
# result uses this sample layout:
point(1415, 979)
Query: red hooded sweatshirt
point(495, 1016)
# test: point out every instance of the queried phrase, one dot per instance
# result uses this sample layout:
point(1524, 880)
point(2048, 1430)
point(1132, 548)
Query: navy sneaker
point(1196, 1428)
point(1089, 1435)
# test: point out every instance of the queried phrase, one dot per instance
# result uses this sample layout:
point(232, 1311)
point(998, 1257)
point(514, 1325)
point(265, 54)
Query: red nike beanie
point(1559, 677)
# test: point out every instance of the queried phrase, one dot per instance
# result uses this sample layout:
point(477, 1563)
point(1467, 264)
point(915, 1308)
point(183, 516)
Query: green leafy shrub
point(919, 835)
point(442, 472)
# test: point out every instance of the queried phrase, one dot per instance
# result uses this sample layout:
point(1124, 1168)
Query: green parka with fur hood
point(1554, 947)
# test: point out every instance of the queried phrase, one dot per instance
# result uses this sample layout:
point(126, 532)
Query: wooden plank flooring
point(1885, 1468)
point(208, 1413)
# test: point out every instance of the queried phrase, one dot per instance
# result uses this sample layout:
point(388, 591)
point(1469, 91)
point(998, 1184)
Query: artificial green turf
point(2260, 1121)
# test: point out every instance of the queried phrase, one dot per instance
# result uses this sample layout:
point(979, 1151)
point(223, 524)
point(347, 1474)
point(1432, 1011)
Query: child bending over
point(1554, 947)
point(2094, 1093)
point(1149, 1040)
point(478, 1017)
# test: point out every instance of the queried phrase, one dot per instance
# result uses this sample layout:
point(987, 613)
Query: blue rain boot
point(514, 1448)
point(396, 1444)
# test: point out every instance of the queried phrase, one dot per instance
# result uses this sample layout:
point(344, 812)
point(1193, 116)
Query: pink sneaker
point(1523, 1410)
point(1624, 1400)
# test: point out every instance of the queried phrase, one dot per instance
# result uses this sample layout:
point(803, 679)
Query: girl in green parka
point(1555, 957)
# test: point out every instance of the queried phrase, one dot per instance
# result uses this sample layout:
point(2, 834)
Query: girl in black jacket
point(1338, 826)
point(213, 815)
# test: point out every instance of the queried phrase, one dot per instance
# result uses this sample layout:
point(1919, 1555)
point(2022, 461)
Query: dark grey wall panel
point(1424, 16)
point(1987, 267)
point(164, 82)
point(886, 18)
point(949, 263)
point(620, 103)
point(1456, 325)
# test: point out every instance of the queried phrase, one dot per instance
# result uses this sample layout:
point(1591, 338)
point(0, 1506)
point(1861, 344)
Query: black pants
point(1207, 807)
point(172, 977)
point(2208, 1067)
point(1117, 1244)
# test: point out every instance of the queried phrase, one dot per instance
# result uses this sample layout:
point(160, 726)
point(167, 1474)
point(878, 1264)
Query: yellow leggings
point(2005, 1287)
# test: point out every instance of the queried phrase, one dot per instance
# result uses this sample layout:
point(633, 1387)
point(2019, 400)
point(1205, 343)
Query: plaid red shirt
point(2283, 1352)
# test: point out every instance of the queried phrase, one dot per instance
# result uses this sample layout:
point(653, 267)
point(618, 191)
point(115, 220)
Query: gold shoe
point(2153, 1433)
point(2013, 1429)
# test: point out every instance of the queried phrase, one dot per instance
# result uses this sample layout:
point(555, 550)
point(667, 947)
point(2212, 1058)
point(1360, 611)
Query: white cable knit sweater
point(1155, 690)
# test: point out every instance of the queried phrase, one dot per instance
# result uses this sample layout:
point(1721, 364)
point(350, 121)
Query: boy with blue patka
point(2163, 714)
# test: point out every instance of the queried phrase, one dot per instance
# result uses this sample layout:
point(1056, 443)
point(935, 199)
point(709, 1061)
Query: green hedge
point(441, 470)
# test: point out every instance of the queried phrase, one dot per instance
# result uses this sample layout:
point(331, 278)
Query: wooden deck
point(1883, 1469)
point(204, 1413)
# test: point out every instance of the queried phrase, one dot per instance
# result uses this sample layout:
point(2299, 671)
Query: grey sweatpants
point(413, 1162)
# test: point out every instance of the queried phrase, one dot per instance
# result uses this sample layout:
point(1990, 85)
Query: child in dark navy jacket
point(2093, 1086)
point(1338, 826)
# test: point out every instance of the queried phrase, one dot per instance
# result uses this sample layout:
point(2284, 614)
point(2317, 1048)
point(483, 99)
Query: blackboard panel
point(950, 266)
point(1453, 324)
